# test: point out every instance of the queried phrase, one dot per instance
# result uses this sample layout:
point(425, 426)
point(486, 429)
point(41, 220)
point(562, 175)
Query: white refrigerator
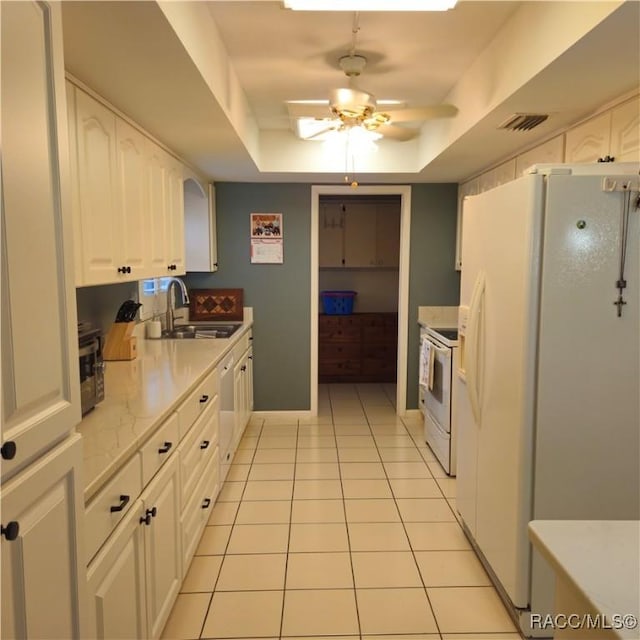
point(549, 378)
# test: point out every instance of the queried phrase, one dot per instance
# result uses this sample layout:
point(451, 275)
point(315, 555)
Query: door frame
point(404, 191)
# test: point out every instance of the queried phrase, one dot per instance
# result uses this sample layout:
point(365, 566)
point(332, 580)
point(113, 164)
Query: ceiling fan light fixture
point(369, 5)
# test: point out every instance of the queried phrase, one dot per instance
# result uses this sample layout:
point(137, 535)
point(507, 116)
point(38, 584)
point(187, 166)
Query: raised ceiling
point(211, 79)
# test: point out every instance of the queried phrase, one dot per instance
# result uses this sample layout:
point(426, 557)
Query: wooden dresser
point(361, 347)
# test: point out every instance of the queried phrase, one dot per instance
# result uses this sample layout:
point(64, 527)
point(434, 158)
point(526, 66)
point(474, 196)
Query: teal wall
point(279, 294)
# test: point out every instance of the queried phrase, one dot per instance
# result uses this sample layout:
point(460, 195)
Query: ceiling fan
point(351, 107)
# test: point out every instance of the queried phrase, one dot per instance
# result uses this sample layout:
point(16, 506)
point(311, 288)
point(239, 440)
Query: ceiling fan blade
point(422, 113)
point(317, 134)
point(320, 111)
point(402, 134)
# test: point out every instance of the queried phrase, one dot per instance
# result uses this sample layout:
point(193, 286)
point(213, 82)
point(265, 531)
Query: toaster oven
point(91, 368)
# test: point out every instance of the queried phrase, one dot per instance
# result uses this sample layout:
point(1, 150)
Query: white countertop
point(600, 559)
point(139, 395)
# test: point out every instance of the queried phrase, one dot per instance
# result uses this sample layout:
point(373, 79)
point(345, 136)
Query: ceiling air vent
point(523, 121)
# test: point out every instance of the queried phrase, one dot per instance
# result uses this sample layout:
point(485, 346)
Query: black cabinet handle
point(8, 450)
point(124, 501)
point(172, 267)
point(166, 447)
point(250, 358)
point(204, 398)
point(243, 367)
point(124, 269)
point(205, 444)
point(206, 502)
point(149, 513)
point(11, 531)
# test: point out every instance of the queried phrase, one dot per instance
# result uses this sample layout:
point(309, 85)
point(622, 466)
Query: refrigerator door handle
point(473, 346)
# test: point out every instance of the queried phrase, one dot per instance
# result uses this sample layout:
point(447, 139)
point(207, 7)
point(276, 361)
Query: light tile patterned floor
point(343, 525)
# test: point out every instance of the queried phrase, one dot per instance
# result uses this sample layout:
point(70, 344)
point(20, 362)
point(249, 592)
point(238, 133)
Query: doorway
point(404, 192)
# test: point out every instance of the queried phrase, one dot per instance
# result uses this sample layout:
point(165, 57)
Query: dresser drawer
point(159, 447)
point(339, 368)
point(197, 449)
point(197, 402)
point(111, 504)
point(329, 352)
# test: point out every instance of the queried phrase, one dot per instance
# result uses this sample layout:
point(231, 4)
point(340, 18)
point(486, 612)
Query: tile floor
point(342, 526)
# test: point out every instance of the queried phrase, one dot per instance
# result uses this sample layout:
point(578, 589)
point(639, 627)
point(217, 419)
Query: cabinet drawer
point(336, 368)
point(242, 345)
point(198, 510)
point(197, 402)
point(197, 449)
point(159, 447)
point(329, 352)
point(121, 492)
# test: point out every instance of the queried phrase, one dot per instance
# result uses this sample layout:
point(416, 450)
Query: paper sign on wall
point(266, 238)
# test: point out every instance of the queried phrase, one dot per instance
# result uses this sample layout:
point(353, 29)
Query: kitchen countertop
point(139, 395)
point(599, 559)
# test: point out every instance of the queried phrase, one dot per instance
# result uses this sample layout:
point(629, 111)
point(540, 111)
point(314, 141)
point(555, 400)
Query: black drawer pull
point(206, 503)
point(11, 531)
point(166, 447)
point(243, 367)
point(204, 444)
point(124, 501)
point(204, 398)
point(146, 518)
point(8, 450)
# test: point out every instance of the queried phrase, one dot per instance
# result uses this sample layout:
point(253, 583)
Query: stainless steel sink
point(201, 331)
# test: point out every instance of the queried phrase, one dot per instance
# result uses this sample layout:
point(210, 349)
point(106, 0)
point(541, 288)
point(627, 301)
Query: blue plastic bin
point(338, 303)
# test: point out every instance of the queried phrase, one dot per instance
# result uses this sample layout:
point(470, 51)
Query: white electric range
point(438, 362)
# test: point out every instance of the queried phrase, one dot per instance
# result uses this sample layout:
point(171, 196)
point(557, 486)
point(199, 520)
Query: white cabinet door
point(158, 189)
point(40, 401)
point(625, 131)
point(201, 245)
point(360, 236)
point(97, 183)
point(469, 188)
point(175, 218)
point(589, 141)
point(116, 580)
point(163, 566)
point(388, 235)
point(331, 235)
point(549, 151)
point(131, 211)
point(43, 569)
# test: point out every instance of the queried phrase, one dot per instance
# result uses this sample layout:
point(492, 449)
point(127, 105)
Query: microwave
point(91, 368)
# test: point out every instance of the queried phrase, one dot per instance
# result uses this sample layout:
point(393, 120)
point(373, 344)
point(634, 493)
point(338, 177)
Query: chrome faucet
point(171, 301)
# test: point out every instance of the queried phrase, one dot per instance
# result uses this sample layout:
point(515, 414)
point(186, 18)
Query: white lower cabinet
point(43, 565)
point(117, 584)
point(242, 387)
point(163, 558)
point(136, 576)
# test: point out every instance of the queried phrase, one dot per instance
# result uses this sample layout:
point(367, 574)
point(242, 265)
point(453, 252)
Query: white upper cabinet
point(549, 151)
point(201, 243)
point(40, 401)
point(613, 135)
point(128, 199)
point(359, 234)
point(470, 188)
point(331, 249)
point(96, 227)
point(132, 206)
point(175, 218)
point(625, 131)
point(589, 141)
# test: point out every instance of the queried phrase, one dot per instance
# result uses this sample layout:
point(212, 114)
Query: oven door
point(437, 400)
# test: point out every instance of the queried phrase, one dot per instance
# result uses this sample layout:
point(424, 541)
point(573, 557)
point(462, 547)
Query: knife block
point(119, 343)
